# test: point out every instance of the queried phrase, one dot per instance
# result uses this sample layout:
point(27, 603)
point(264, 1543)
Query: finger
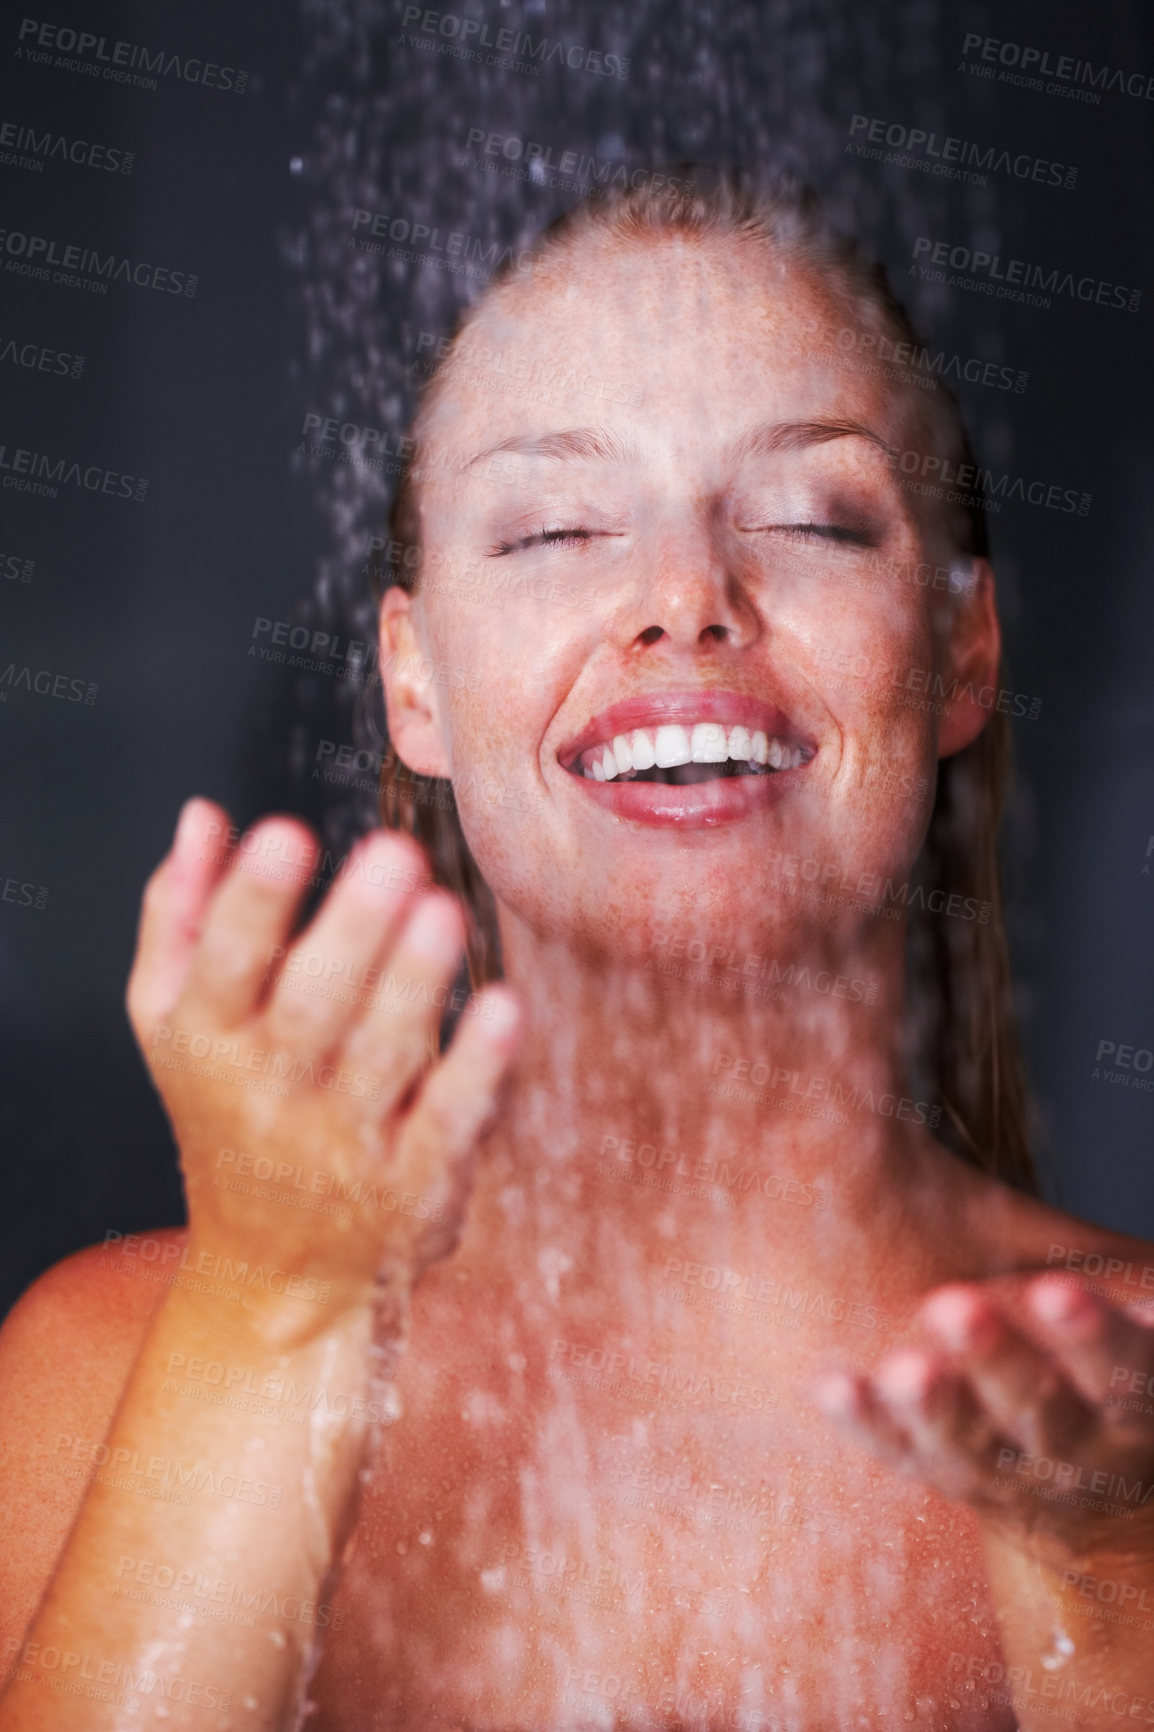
point(854, 1404)
point(328, 974)
point(1020, 1385)
point(457, 1100)
point(953, 1437)
point(396, 1037)
point(1102, 1349)
point(251, 911)
point(172, 912)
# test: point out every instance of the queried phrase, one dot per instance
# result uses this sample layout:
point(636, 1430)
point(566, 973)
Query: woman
point(694, 657)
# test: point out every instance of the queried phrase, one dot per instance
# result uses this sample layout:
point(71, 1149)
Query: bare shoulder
point(66, 1350)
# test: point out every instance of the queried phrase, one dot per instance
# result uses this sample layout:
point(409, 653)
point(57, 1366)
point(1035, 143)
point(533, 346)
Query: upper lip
point(652, 709)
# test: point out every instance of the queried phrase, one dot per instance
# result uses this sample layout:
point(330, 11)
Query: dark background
point(155, 601)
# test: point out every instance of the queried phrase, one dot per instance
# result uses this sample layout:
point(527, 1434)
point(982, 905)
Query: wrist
point(267, 1357)
point(1121, 1544)
point(1100, 1595)
point(266, 1302)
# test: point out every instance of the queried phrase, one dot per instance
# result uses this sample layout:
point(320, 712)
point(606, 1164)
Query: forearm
point(1077, 1632)
point(195, 1573)
point(245, 1501)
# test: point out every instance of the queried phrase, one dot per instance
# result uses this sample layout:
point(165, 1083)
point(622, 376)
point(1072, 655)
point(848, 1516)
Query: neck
point(662, 1103)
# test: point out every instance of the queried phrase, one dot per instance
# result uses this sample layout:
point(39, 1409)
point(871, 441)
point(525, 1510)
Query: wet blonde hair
point(961, 1029)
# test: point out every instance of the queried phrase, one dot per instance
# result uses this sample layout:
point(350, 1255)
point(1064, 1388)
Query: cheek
point(861, 659)
point(506, 662)
point(493, 749)
point(501, 816)
point(872, 667)
point(474, 726)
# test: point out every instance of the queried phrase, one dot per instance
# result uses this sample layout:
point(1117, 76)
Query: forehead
point(676, 338)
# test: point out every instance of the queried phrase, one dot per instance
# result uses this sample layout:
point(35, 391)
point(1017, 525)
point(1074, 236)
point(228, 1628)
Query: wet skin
point(618, 1494)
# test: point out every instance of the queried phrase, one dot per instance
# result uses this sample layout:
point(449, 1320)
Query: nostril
point(651, 634)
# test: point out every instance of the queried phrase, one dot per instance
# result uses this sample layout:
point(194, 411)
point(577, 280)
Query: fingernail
point(186, 826)
point(960, 1319)
point(379, 862)
point(906, 1376)
point(1057, 1304)
point(431, 932)
point(501, 1011)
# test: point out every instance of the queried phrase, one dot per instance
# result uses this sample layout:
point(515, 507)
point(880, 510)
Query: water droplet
point(296, 164)
point(553, 1263)
point(1060, 1650)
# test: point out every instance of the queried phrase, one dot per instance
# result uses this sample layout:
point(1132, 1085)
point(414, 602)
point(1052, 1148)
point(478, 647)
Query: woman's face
point(659, 521)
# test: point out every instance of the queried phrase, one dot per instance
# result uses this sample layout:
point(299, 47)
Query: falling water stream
point(393, 118)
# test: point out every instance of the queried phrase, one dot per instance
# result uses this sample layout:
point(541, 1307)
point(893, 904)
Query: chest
point(619, 1537)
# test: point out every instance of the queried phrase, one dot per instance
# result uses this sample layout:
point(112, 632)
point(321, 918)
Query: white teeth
point(709, 744)
point(705, 743)
point(671, 746)
point(641, 746)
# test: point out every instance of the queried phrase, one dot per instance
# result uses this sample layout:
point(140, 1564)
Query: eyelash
point(577, 537)
point(824, 532)
point(545, 538)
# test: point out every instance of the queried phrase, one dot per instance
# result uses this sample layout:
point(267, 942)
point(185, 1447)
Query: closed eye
point(854, 536)
point(543, 538)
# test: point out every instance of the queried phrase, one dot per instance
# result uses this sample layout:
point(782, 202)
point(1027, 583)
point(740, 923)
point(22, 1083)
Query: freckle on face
point(675, 349)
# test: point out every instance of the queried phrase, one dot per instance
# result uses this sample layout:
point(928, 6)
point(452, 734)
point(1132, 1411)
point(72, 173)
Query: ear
point(971, 657)
point(407, 675)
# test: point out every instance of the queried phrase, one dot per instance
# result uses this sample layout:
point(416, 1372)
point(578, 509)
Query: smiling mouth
point(683, 755)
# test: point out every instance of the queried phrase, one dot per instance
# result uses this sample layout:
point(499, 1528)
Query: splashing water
point(393, 141)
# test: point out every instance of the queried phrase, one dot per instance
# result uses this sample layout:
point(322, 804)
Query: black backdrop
point(127, 613)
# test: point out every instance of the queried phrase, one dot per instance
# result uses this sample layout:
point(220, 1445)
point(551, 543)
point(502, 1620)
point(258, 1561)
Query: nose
point(688, 595)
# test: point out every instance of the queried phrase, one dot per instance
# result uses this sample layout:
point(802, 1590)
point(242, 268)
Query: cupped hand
point(1042, 1421)
point(319, 1133)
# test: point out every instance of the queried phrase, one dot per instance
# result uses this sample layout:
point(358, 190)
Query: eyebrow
point(601, 444)
point(598, 443)
point(771, 436)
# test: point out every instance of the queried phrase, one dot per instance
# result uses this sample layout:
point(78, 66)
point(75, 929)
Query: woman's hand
point(328, 1154)
point(319, 1135)
point(1040, 1420)
point(1046, 1426)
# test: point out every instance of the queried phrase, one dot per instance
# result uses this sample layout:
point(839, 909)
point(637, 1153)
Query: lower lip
point(726, 800)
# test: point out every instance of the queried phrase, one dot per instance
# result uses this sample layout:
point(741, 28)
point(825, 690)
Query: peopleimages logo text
point(1037, 64)
point(24, 147)
point(99, 56)
point(915, 147)
point(31, 255)
point(473, 33)
point(1019, 277)
point(36, 472)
